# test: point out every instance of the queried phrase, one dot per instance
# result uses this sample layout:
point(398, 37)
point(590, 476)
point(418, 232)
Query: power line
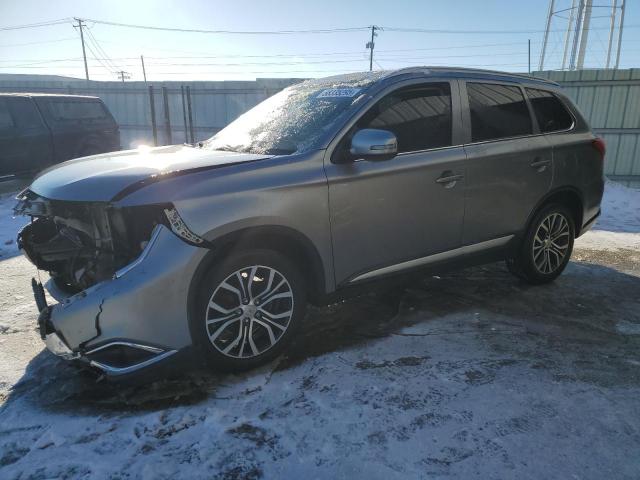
point(234, 32)
point(36, 25)
point(6, 45)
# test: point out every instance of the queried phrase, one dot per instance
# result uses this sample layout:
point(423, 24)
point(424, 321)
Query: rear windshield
point(65, 110)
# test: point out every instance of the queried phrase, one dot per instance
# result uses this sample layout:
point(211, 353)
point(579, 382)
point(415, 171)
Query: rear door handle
point(540, 165)
point(449, 180)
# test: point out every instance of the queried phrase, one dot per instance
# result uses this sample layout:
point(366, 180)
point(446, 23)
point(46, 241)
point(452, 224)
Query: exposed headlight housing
point(180, 228)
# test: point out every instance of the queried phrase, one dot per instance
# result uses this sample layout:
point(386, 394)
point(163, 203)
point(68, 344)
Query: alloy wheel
point(249, 311)
point(551, 243)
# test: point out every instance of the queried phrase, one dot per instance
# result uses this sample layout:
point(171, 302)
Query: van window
point(420, 117)
point(550, 113)
point(24, 112)
point(497, 111)
point(5, 117)
point(65, 110)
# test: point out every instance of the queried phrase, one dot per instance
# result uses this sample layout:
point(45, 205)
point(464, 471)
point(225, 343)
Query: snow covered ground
point(467, 375)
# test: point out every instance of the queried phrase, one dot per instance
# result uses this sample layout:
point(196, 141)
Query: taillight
point(600, 146)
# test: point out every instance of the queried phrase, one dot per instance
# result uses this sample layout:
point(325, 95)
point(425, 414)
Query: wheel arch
point(568, 196)
point(284, 240)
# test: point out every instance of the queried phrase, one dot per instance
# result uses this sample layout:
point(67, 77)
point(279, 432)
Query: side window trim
point(457, 135)
point(466, 111)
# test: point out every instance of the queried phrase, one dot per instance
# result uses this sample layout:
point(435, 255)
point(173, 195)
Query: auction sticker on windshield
point(338, 92)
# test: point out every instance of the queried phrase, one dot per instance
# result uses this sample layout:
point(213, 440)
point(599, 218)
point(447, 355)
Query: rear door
point(509, 166)
point(387, 213)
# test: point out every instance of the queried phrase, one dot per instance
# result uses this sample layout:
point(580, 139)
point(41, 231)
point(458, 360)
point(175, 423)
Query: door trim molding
point(437, 257)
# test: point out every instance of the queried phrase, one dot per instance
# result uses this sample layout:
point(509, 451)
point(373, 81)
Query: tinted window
point(5, 117)
point(24, 112)
point(549, 111)
point(419, 117)
point(76, 110)
point(497, 111)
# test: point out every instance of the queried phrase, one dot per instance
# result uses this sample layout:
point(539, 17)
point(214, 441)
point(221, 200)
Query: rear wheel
point(546, 247)
point(248, 308)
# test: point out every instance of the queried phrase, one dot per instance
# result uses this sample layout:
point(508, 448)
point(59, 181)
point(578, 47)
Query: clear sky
point(56, 49)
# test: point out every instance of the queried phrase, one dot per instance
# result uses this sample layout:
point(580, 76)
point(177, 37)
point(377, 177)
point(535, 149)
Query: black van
point(38, 130)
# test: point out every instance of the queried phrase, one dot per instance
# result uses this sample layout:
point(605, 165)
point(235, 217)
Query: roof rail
point(470, 70)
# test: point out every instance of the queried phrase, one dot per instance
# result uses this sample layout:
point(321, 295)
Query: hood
point(100, 178)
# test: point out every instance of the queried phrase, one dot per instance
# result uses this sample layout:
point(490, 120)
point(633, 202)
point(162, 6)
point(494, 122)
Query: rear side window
point(66, 110)
point(5, 117)
point(497, 111)
point(420, 117)
point(550, 113)
point(24, 112)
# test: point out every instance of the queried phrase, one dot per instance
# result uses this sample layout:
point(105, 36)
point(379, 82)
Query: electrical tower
point(578, 16)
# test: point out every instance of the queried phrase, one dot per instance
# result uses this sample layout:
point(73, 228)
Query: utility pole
point(370, 46)
point(529, 50)
point(122, 75)
point(144, 72)
point(84, 54)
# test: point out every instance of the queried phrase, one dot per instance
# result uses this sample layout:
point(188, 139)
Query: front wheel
point(248, 308)
point(546, 247)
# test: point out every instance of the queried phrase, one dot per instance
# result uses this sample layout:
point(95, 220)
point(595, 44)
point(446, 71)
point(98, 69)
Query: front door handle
point(540, 165)
point(448, 179)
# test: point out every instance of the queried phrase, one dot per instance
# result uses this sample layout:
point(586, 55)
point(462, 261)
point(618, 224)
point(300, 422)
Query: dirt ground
point(467, 375)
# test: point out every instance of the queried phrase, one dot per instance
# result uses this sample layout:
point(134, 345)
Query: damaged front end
point(118, 309)
point(81, 244)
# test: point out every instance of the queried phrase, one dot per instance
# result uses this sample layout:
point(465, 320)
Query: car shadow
point(580, 314)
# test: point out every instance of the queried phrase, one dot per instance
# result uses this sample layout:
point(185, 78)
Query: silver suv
point(328, 184)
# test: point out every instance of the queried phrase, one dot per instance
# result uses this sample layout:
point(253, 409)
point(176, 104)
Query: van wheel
point(248, 307)
point(546, 247)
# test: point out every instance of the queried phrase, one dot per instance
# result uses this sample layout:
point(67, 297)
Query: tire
point(538, 260)
point(238, 326)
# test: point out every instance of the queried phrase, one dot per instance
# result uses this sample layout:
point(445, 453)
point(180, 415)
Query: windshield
point(294, 120)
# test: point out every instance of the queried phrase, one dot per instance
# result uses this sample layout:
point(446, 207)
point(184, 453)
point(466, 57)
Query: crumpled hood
point(100, 178)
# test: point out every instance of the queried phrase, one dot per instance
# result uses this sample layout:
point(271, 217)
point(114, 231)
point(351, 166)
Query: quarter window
point(497, 111)
point(551, 115)
point(420, 117)
point(78, 110)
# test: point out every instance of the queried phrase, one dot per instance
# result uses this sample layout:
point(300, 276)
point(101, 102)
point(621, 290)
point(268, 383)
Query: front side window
point(551, 115)
point(497, 111)
point(24, 112)
point(420, 117)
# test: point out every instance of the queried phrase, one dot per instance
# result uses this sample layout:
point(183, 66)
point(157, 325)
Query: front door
point(385, 213)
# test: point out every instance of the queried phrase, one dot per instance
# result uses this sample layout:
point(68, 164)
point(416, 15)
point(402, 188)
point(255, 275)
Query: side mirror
point(374, 144)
